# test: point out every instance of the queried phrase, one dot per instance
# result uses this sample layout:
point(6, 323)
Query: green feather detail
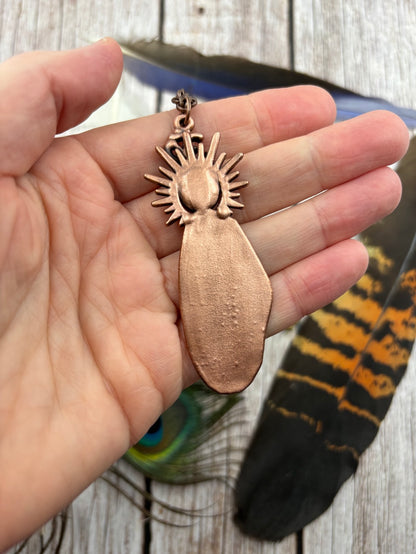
point(172, 452)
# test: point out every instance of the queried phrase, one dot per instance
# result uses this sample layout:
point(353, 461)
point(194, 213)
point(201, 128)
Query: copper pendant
point(225, 294)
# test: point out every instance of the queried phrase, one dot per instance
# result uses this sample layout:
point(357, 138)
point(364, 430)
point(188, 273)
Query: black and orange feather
point(335, 384)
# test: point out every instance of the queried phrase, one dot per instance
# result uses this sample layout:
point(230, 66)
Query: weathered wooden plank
point(369, 49)
point(259, 31)
point(42, 25)
point(385, 516)
point(219, 534)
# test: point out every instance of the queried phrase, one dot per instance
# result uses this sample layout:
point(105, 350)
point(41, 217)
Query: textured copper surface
point(225, 302)
point(225, 294)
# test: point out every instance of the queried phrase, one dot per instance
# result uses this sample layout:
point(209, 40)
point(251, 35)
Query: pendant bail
point(184, 103)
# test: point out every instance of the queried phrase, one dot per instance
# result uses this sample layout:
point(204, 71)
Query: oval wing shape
point(225, 297)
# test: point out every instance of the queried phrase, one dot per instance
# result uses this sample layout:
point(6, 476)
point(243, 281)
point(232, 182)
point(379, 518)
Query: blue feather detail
point(169, 68)
point(168, 80)
point(154, 434)
point(172, 451)
point(351, 105)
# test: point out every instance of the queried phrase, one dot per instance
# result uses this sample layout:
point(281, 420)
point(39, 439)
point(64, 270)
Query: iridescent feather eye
point(172, 449)
point(154, 435)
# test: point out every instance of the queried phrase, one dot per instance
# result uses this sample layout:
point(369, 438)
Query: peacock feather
point(174, 449)
point(185, 445)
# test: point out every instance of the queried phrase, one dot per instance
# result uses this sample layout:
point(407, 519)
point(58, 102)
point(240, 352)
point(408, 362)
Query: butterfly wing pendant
point(225, 293)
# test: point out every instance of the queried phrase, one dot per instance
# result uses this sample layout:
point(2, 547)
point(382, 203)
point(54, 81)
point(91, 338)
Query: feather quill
point(336, 384)
point(169, 68)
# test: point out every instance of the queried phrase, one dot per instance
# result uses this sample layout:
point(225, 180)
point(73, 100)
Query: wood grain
point(237, 28)
point(369, 49)
point(368, 46)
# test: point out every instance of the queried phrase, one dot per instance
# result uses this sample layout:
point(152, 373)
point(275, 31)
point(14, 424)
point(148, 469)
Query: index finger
point(125, 151)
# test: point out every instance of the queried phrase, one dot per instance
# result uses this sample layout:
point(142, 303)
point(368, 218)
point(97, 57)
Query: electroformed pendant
point(225, 294)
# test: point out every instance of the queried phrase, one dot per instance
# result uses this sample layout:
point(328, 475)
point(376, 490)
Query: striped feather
point(336, 384)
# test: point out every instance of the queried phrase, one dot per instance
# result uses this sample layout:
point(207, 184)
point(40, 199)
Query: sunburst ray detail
point(195, 182)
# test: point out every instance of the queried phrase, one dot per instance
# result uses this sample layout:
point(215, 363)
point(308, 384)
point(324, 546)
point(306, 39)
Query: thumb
point(44, 93)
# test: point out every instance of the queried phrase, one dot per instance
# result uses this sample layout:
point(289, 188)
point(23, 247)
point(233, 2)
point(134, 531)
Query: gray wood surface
point(369, 46)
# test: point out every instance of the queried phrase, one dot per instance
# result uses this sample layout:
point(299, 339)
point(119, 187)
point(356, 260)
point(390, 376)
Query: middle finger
point(288, 172)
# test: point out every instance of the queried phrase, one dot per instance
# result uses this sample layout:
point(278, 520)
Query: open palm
point(91, 348)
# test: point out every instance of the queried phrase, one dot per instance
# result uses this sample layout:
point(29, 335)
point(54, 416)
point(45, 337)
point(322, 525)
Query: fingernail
point(102, 41)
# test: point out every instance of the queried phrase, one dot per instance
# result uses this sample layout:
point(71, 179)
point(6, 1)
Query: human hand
point(90, 347)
